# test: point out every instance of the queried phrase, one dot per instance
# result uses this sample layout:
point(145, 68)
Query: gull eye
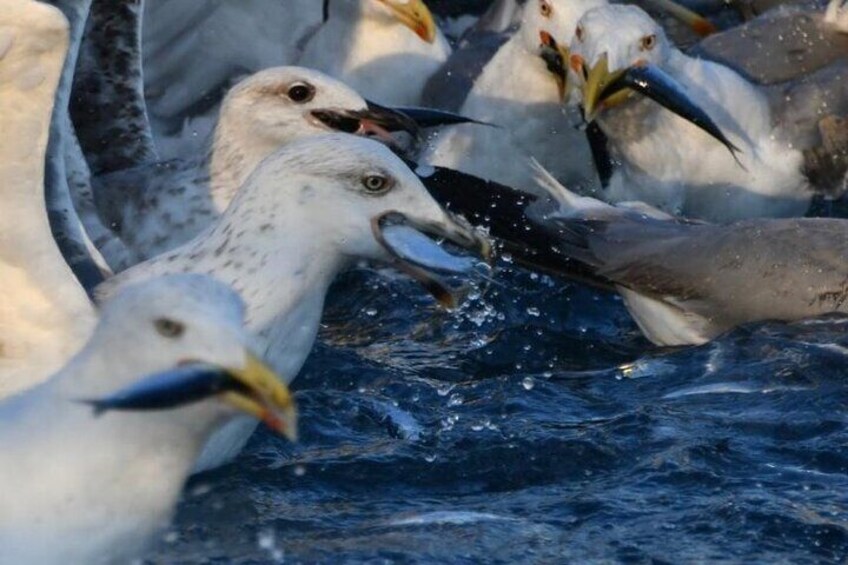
point(579, 33)
point(376, 184)
point(546, 9)
point(648, 42)
point(301, 92)
point(168, 328)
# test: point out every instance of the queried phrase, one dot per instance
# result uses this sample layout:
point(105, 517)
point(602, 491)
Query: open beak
point(252, 388)
point(603, 89)
point(556, 58)
point(415, 246)
point(595, 82)
point(415, 15)
point(380, 121)
point(696, 22)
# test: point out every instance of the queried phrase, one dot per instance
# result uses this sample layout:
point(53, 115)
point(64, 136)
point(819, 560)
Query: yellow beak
point(697, 23)
point(415, 15)
point(596, 80)
point(268, 399)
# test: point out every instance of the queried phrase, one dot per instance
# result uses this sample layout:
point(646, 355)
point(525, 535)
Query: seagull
point(517, 91)
point(45, 314)
point(157, 206)
point(93, 461)
point(308, 212)
point(669, 163)
point(385, 49)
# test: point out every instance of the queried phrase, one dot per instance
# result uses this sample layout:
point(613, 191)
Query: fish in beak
point(603, 89)
point(415, 15)
point(381, 122)
point(415, 247)
point(556, 57)
point(253, 388)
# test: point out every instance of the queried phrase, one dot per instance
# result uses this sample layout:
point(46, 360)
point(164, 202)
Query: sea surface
point(535, 424)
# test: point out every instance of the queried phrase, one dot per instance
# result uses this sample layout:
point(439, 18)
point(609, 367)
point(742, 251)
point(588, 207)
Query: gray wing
point(450, 85)
point(779, 46)
point(63, 163)
point(108, 107)
point(725, 275)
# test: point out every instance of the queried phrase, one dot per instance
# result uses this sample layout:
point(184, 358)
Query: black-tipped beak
point(381, 122)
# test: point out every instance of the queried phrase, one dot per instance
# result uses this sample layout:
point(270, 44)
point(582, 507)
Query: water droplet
point(533, 311)
point(299, 470)
point(528, 383)
point(430, 457)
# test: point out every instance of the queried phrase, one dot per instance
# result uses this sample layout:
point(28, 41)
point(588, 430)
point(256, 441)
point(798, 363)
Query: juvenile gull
point(385, 49)
point(97, 486)
point(670, 163)
point(306, 213)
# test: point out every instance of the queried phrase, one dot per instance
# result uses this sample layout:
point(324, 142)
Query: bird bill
point(414, 14)
point(604, 89)
point(412, 245)
point(381, 122)
point(556, 56)
point(254, 389)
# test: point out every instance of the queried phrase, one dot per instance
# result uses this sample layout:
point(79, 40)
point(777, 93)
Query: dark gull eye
point(579, 33)
point(648, 42)
point(301, 92)
point(168, 328)
point(546, 9)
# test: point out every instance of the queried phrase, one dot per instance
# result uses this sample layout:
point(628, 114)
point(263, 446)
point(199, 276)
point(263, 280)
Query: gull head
point(351, 198)
point(608, 41)
point(176, 344)
point(546, 29)
point(278, 105)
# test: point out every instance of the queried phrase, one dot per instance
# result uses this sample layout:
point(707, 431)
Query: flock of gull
point(177, 197)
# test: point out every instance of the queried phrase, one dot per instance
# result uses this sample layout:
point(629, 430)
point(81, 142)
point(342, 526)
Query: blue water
point(536, 425)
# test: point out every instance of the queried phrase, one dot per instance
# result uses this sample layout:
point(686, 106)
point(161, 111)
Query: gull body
point(516, 92)
point(45, 314)
point(364, 45)
point(81, 487)
point(303, 216)
point(669, 162)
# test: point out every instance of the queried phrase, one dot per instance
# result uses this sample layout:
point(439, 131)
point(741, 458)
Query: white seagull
point(90, 479)
point(518, 92)
point(385, 49)
point(306, 213)
point(672, 164)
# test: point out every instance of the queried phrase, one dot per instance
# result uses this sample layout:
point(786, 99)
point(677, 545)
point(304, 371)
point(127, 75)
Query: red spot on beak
point(546, 38)
point(576, 63)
